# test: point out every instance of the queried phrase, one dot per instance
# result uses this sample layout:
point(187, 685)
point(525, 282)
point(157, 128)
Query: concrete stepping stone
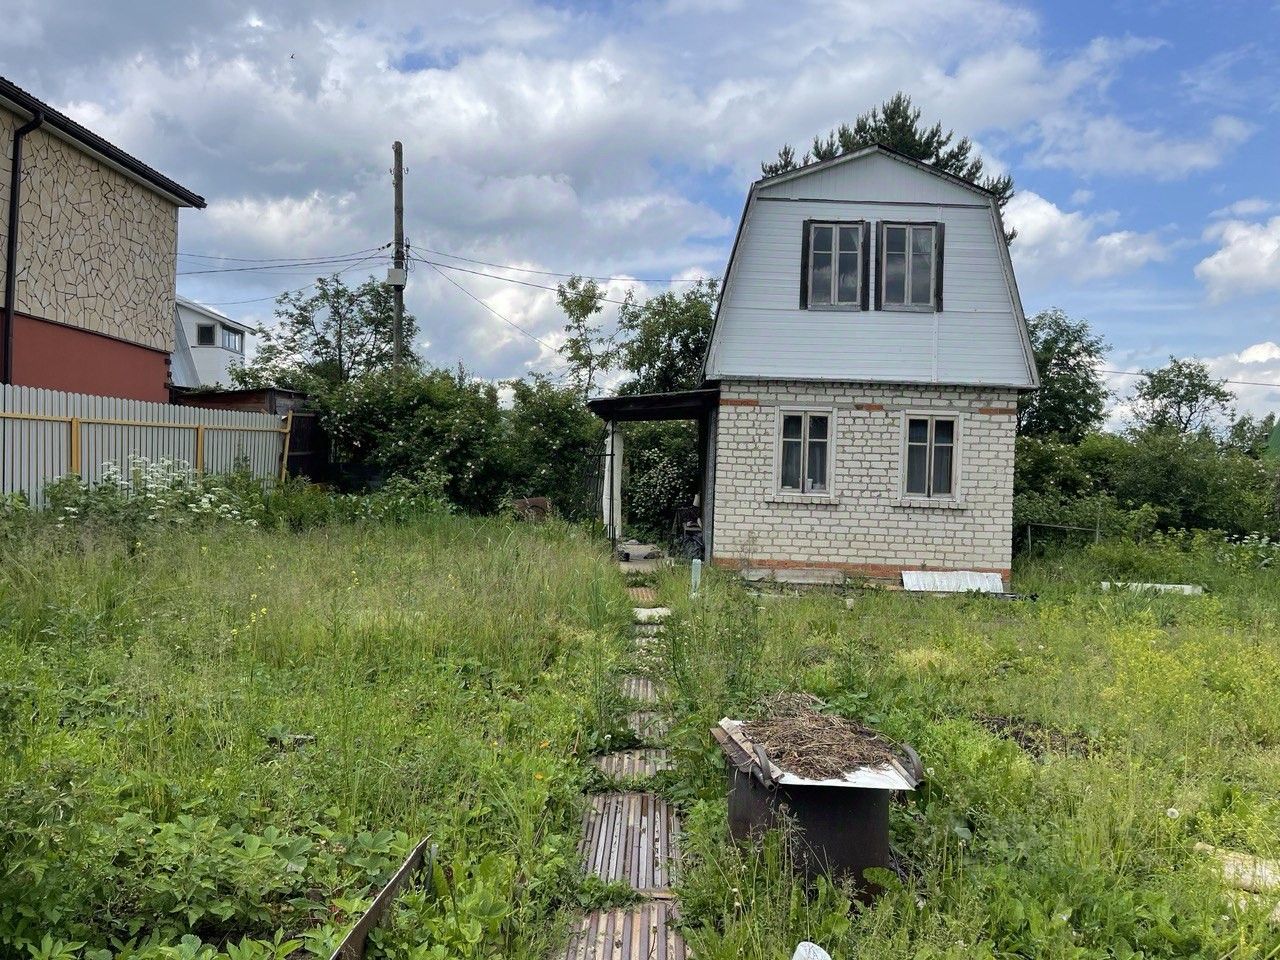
point(634, 764)
point(642, 932)
point(649, 725)
point(640, 689)
point(648, 615)
point(631, 838)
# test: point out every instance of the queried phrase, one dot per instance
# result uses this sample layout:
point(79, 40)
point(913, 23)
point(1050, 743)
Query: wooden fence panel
point(46, 434)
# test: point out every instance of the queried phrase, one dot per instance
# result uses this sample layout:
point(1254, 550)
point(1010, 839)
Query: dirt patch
point(1036, 739)
point(802, 740)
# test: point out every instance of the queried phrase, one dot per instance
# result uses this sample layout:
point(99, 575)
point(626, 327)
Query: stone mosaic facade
point(866, 526)
point(96, 250)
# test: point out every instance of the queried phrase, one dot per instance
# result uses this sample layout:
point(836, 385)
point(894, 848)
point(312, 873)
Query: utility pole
point(398, 275)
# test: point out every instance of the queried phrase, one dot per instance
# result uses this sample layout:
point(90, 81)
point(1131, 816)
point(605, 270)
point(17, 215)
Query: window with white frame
point(909, 254)
point(204, 335)
point(804, 452)
point(833, 270)
point(232, 339)
point(930, 455)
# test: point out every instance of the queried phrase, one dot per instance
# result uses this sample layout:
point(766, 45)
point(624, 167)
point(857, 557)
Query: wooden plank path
point(633, 837)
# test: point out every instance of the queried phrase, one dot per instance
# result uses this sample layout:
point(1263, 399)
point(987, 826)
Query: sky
point(618, 140)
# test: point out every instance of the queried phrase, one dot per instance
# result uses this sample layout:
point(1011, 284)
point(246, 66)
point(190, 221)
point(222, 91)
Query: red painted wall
point(59, 357)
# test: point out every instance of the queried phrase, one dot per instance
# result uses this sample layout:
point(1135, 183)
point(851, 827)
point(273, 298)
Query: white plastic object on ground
point(809, 951)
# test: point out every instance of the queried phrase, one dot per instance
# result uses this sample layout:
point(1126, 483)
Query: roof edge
point(96, 146)
point(898, 155)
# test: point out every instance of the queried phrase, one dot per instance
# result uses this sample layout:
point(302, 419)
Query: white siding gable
point(978, 338)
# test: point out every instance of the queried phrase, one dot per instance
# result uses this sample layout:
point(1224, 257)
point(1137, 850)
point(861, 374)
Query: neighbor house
point(207, 345)
point(861, 383)
point(90, 263)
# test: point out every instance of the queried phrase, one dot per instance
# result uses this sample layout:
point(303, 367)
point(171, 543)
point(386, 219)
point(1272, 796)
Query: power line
point(283, 260)
point(493, 276)
point(553, 273)
point(507, 320)
point(333, 261)
point(1148, 373)
point(277, 296)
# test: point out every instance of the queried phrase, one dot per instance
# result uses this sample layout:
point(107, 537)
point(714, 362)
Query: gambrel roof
point(762, 329)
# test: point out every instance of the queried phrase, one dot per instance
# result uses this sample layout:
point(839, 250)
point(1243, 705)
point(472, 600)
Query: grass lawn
point(221, 743)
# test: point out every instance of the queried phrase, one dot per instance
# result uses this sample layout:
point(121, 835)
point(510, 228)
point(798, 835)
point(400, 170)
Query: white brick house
point(869, 345)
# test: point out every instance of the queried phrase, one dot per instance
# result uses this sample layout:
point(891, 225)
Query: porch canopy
point(676, 405)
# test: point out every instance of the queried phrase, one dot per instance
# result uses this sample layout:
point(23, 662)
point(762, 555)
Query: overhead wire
point(554, 273)
point(1149, 373)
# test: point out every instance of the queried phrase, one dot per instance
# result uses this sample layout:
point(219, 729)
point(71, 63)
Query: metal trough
point(841, 826)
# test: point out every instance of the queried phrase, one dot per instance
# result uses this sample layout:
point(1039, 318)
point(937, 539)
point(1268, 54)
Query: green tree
point(1251, 435)
point(665, 338)
point(553, 442)
point(896, 124)
point(587, 350)
point(326, 338)
point(1072, 399)
point(1181, 396)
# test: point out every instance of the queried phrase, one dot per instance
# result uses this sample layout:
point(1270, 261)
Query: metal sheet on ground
point(643, 932)
point(952, 581)
point(631, 838)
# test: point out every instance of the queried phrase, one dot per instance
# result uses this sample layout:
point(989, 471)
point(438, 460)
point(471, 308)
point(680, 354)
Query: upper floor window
point(804, 456)
point(232, 339)
point(834, 265)
point(910, 258)
point(930, 460)
point(204, 335)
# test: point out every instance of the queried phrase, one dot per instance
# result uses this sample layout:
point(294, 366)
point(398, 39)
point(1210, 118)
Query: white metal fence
point(46, 434)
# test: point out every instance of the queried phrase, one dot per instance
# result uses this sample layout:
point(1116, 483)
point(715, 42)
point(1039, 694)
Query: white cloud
point(1258, 364)
point(1246, 262)
point(1248, 207)
point(1080, 197)
point(1054, 243)
point(1107, 144)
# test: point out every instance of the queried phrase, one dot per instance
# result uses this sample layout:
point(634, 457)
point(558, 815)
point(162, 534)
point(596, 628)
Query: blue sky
point(618, 139)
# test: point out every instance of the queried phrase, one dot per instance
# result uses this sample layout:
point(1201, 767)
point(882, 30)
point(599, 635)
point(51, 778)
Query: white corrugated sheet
point(952, 581)
point(1188, 589)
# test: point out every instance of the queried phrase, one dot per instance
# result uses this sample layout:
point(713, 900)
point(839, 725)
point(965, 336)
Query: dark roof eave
point(677, 405)
point(24, 102)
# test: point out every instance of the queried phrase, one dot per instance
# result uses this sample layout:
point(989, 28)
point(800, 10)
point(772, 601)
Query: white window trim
point(956, 498)
point(835, 225)
point(779, 493)
point(883, 258)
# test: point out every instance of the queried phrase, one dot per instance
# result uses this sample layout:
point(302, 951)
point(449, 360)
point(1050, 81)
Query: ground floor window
point(804, 456)
point(929, 450)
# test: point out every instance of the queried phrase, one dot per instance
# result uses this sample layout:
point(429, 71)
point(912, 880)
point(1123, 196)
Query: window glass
point(849, 238)
point(941, 471)
point(918, 431)
point(791, 451)
point(895, 239)
point(922, 240)
point(921, 279)
point(817, 426)
point(822, 238)
point(817, 474)
point(847, 290)
point(820, 278)
point(944, 431)
point(792, 426)
point(895, 278)
point(204, 335)
point(917, 469)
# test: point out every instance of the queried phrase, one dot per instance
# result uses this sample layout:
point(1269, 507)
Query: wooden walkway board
point(630, 837)
point(649, 725)
point(643, 932)
point(634, 764)
point(640, 689)
point(643, 596)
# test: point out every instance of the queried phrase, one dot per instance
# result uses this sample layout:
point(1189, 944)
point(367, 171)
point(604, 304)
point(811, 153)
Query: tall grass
point(389, 682)
point(1147, 723)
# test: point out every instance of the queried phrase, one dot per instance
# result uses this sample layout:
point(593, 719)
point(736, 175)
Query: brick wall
point(865, 526)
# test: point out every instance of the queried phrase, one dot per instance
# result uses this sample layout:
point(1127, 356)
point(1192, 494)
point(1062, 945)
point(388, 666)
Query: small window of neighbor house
point(204, 335)
point(804, 455)
point(930, 461)
point(232, 339)
point(834, 265)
